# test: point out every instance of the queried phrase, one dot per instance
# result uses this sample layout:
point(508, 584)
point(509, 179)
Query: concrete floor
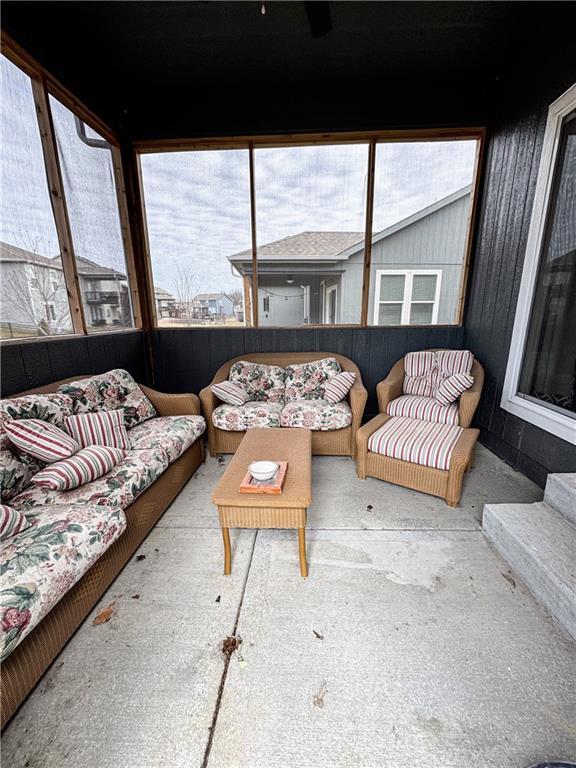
point(408, 645)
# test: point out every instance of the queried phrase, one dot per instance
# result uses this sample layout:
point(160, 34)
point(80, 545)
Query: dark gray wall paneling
point(186, 360)
point(511, 170)
point(32, 364)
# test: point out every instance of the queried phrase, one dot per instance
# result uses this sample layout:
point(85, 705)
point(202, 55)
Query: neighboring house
point(213, 305)
point(316, 277)
point(34, 297)
point(166, 303)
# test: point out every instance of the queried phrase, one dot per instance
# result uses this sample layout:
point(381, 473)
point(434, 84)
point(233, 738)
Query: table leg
point(227, 552)
point(302, 549)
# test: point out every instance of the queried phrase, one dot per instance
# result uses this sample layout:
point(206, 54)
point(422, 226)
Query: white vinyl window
point(540, 383)
point(407, 297)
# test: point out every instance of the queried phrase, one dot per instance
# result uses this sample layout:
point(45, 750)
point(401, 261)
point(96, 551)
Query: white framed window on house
point(407, 297)
point(540, 383)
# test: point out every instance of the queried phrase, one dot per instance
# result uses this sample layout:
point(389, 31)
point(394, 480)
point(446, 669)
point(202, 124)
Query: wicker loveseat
point(111, 536)
point(438, 439)
point(331, 442)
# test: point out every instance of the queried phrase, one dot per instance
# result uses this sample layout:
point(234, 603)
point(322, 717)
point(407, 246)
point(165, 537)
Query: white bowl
point(263, 470)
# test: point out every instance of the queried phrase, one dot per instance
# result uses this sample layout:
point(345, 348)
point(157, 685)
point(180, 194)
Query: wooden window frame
point(43, 86)
point(372, 139)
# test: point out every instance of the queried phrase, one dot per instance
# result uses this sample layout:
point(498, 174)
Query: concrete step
point(540, 546)
point(560, 494)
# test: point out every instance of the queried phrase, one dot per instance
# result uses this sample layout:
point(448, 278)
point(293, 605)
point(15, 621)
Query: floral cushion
point(53, 408)
point(174, 434)
point(108, 392)
point(16, 471)
point(40, 564)
point(423, 408)
point(263, 383)
point(118, 488)
point(418, 442)
point(316, 415)
point(306, 381)
point(238, 418)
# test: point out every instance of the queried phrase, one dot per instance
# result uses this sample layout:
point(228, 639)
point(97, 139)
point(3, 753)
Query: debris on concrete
point(369, 507)
point(317, 635)
point(140, 557)
point(218, 599)
point(510, 579)
point(105, 614)
point(318, 698)
point(231, 644)
point(135, 597)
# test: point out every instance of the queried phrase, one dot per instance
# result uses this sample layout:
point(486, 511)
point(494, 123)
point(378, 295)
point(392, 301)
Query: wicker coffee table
point(286, 510)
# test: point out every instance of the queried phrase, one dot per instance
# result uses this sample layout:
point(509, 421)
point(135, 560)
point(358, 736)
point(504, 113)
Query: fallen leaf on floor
point(231, 644)
point(369, 507)
point(318, 635)
point(135, 597)
point(140, 557)
point(156, 549)
point(318, 698)
point(217, 599)
point(104, 615)
point(510, 579)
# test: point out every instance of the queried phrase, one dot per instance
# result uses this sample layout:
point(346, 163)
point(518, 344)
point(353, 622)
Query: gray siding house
point(215, 304)
point(34, 298)
point(416, 271)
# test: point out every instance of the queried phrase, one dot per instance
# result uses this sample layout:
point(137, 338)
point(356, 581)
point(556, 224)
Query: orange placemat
point(274, 485)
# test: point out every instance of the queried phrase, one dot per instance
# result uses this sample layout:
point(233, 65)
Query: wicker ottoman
point(446, 483)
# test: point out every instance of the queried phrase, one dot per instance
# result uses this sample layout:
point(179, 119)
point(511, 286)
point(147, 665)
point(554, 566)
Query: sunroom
point(288, 381)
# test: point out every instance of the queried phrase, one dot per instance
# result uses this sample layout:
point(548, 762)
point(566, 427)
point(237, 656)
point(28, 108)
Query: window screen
point(34, 301)
point(91, 198)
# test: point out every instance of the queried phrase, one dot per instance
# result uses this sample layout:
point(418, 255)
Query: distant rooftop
point(12, 253)
point(210, 296)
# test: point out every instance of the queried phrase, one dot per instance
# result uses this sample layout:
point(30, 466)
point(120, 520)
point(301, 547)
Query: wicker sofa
point(334, 442)
point(30, 659)
point(444, 482)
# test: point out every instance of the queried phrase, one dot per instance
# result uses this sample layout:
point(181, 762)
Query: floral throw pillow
point(16, 471)
point(263, 383)
point(306, 381)
point(109, 392)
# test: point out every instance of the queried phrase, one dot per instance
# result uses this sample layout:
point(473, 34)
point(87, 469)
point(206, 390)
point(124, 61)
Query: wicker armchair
point(338, 442)
point(446, 483)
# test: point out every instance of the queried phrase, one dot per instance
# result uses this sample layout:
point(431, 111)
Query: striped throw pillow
point(87, 465)
point(99, 428)
point(451, 388)
point(40, 439)
point(230, 393)
point(12, 521)
point(338, 386)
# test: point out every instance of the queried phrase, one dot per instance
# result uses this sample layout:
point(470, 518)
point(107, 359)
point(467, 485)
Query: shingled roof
point(309, 245)
point(86, 267)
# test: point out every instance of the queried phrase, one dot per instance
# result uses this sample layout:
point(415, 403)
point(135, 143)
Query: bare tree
point(187, 286)
point(237, 296)
point(38, 294)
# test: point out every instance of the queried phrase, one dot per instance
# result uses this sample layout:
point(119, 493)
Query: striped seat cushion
point(230, 393)
point(99, 428)
point(423, 408)
point(12, 521)
point(40, 439)
point(338, 386)
point(87, 465)
point(419, 442)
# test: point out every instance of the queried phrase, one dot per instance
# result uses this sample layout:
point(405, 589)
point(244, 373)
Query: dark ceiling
point(155, 69)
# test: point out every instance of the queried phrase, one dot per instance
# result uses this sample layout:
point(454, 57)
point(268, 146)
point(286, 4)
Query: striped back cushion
point(338, 386)
point(230, 393)
point(87, 465)
point(452, 361)
point(452, 387)
point(12, 521)
point(40, 439)
point(418, 372)
point(99, 428)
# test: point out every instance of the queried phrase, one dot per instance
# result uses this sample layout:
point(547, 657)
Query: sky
point(198, 204)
